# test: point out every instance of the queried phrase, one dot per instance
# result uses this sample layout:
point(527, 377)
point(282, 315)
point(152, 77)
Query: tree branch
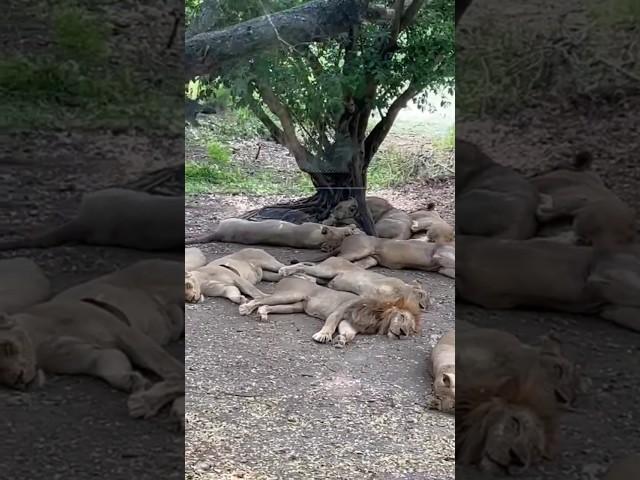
point(411, 13)
point(315, 21)
point(380, 131)
point(288, 132)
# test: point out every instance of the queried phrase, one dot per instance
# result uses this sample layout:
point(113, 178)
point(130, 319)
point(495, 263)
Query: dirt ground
point(266, 402)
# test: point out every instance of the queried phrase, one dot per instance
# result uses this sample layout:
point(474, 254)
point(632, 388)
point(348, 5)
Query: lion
point(88, 334)
point(340, 274)
point(492, 200)
point(389, 222)
point(345, 212)
point(193, 258)
point(577, 199)
point(349, 313)
point(117, 217)
point(252, 264)
point(430, 221)
point(443, 371)
point(506, 412)
point(276, 232)
point(367, 252)
point(568, 278)
point(22, 283)
point(231, 276)
point(625, 468)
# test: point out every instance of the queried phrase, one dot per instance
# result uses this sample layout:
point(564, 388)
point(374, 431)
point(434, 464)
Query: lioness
point(505, 406)
point(350, 313)
point(193, 258)
point(578, 196)
point(345, 276)
point(492, 200)
point(369, 251)
point(252, 264)
point(69, 336)
point(276, 232)
point(345, 212)
point(389, 222)
point(443, 371)
point(430, 221)
point(117, 217)
point(22, 283)
point(558, 276)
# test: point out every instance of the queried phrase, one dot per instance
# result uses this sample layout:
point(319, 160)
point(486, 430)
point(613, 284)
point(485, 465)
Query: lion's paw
point(263, 311)
point(246, 308)
point(137, 382)
point(287, 271)
point(340, 341)
point(321, 337)
point(138, 405)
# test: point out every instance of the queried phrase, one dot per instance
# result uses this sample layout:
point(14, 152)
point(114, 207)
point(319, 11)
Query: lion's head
point(333, 236)
point(18, 366)
point(192, 293)
point(345, 210)
point(505, 426)
point(444, 387)
point(394, 318)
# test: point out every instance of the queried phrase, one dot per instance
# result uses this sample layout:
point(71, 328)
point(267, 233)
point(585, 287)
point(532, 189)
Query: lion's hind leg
point(325, 334)
point(366, 262)
point(73, 357)
point(248, 288)
point(271, 276)
point(275, 299)
point(265, 310)
point(346, 334)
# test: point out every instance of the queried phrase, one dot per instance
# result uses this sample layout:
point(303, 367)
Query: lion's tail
point(69, 232)
point(319, 258)
point(208, 237)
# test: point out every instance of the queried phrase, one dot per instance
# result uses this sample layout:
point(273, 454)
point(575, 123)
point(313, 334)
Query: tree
point(317, 98)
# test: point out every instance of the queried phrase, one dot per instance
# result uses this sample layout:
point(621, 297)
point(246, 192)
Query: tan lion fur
point(347, 312)
point(193, 258)
point(506, 412)
point(492, 200)
point(103, 328)
point(578, 201)
point(430, 221)
point(117, 217)
point(232, 276)
point(276, 232)
point(369, 251)
point(341, 274)
point(542, 273)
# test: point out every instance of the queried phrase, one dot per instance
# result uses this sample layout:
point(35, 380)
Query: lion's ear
point(449, 379)
point(188, 285)
point(6, 322)
point(324, 230)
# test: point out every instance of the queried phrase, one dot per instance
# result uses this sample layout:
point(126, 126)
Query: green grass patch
point(447, 142)
point(73, 85)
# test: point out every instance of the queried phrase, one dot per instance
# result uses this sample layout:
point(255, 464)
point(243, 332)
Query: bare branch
point(411, 13)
